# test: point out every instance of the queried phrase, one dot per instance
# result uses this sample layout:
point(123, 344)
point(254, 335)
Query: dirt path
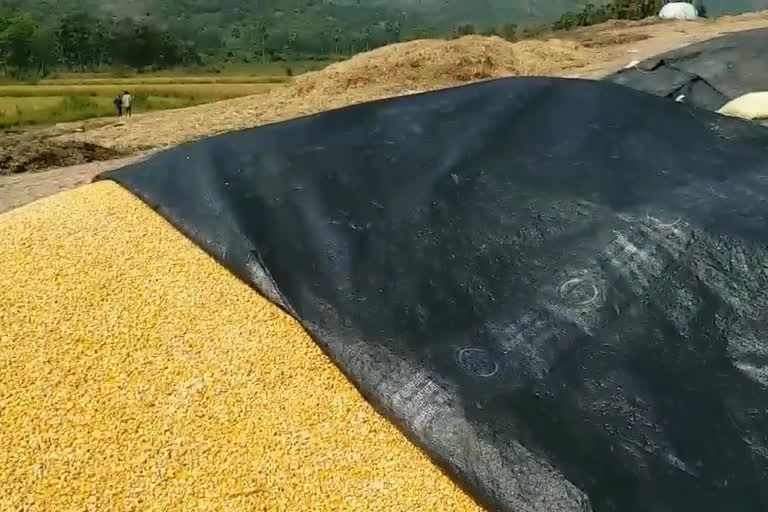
point(19, 189)
point(619, 43)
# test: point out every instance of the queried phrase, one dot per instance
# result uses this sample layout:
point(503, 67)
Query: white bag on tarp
point(753, 105)
point(679, 11)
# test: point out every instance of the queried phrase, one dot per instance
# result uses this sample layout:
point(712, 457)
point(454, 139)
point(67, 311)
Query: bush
point(72, 104)
point(508, 31)
point(465, 30)
point(616, 9)
point(534, 31)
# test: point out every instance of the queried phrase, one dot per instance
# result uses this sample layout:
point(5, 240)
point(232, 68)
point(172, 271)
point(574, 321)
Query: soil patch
point(601, 40)
point(29, 153)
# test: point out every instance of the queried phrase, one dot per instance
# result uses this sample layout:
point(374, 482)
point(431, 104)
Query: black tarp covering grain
point(557, 287)
point(707, 74)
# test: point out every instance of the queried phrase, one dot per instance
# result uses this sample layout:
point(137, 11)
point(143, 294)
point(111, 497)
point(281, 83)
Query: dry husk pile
point(394, 70)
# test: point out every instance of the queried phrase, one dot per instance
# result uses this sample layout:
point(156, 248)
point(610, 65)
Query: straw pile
point(138, 374)
point(390, 71)
point(422, 65)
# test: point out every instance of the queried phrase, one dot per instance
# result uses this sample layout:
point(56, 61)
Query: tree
point(78, 40)
point(45, 48)
point(16, 40)
point(393, 29)
point(263, 33)
point(567, 21)
point(465, 30)
point(26, 46)
point(336, 40)
point(397, 28)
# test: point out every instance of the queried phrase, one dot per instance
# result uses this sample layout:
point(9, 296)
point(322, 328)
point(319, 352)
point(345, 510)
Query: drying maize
point(138, 374)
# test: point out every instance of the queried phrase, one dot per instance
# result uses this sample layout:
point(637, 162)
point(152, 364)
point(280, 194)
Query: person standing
point(127, 99)
point(119, 105)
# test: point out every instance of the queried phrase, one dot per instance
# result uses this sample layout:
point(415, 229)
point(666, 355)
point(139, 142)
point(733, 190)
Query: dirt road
point(604, 49)
point(19, 189)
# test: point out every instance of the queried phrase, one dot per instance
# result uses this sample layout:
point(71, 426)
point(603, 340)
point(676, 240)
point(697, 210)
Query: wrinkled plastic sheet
point(556, 287)
point(707, 74)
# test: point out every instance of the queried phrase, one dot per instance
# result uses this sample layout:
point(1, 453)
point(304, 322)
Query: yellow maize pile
point(138, 374)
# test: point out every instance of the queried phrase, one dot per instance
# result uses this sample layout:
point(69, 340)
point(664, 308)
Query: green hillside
point(305, 25)
point(83, 35)
point(86, 35)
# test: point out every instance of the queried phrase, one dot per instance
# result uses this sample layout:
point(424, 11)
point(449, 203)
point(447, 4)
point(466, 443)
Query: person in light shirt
point(127, 98)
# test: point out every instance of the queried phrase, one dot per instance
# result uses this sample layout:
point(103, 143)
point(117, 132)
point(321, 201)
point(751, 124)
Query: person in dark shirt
point(119, 105)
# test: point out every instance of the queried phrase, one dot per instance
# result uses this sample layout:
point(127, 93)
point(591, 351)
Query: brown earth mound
point(394, 70)
point(24, 153)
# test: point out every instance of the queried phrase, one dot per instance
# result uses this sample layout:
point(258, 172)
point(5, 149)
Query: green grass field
point(73, 97)
point(203, 91)
point(18, 111)
point(50, 102)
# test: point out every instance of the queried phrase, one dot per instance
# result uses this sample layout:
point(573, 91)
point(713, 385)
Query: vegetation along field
point(70, 99)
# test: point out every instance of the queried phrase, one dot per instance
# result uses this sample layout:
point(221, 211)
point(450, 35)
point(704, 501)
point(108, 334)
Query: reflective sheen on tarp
point(556, 287)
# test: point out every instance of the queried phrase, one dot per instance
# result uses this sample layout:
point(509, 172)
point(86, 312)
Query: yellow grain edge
point(138, 374)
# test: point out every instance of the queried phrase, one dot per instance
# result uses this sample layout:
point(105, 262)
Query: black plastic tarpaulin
point(556, 287)
point(707, 74)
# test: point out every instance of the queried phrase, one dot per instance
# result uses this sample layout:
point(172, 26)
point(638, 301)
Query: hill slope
point(435, 14)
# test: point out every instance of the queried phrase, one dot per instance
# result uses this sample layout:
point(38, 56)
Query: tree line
point(81, 42)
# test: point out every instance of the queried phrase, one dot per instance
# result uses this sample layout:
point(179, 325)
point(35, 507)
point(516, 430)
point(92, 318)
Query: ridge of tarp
point(708, 74)
point(556, 287)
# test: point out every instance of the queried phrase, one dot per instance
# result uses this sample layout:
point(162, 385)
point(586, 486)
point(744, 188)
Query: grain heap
point(138, 374)
point(389, 71)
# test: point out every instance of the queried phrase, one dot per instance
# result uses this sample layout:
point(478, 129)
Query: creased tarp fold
point(707, 74)
point(556, 287)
